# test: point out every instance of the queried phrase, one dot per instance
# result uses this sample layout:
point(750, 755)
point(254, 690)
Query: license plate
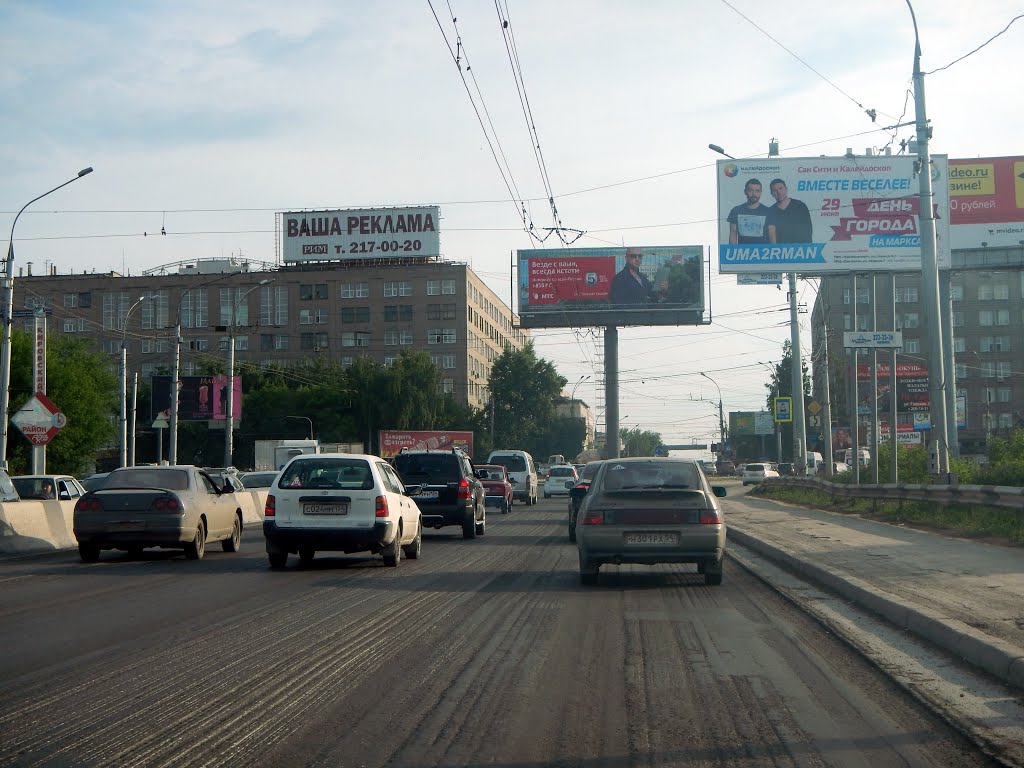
point(652, 538)
point(325, 509)
point(426, 495)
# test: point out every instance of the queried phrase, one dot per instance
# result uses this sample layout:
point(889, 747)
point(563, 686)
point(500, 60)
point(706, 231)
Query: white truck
point(271, 455)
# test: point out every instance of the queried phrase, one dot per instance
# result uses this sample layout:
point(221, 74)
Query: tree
point(79, 382)
point(525, 391)
point(781, 385)
point(639, 442)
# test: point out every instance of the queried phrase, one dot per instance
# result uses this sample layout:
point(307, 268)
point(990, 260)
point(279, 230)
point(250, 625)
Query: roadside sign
point(762, 278)
point(783, 409)
point(873, 339)
point(39, 419)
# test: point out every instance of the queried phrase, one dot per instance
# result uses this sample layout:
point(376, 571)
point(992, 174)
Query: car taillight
point(165, 503)
point(593, 518)
point(84, 504)
point(710, 517)
point(270, 508)
point(381, 506)
point(464, 489)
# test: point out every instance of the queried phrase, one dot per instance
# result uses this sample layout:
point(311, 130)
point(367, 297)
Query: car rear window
point(630, 476)
point(754, 468)
point(513, 462)
point(590, 470)
point(428, 467)
point(562, 472)
point(315, 472)
point(168, 479)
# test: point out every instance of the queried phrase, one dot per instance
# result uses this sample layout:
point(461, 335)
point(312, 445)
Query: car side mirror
point(228, 486)
point(718, 490)
point(578, 491)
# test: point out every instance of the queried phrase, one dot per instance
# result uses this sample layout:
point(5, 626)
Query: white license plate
point(426, 495)
point(652, 538)
point(325, 509)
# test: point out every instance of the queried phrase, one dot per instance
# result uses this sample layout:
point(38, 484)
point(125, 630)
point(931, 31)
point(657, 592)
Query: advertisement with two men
point(636, 285)
point(826, 215)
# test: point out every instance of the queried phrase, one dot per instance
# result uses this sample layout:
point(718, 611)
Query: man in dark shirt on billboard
point(748, 222)
point(788, 218)
point(630, 285)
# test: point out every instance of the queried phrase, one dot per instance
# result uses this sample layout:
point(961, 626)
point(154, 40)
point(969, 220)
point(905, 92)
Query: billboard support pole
point(930, 271)
point(826, 418)
point(874, 381)
point(854, 405)
point(172, 446)
point(611, 391)
point(894, 401)
point(948, 357)
point(799, 420)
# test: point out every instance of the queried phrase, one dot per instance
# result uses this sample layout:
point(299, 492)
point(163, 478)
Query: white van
point(863, 457)
point(815, 463)
point(522, 471)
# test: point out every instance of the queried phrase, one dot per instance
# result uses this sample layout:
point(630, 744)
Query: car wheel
point(413, 549)
point(588, 571)
point(277, 559)
point(90, 553)
point(234, 543)
point(393, 555)
point(572, 533)
point(481, 527)
point(508, 507)
point(196, 548)
point(713, 573)
point(547, 495)
point(306, 555)
point(469, 530)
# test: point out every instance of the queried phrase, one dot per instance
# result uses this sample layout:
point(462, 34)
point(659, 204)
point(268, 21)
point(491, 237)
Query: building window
point(912, 346)
point(305, 318)
point(448, 312)
point(70, 300)
point(266, 344)
point(355, 314)
point(862, 322)
point(391, 337)
point(346, 361)
point(1003, 370)
point(69, 326)
point(956, 292)
point(315, 291)
point(1003, 395)
point(985, 292)
point(846, 296)
point(115, 307)
point(961, 371)
point(847, 321)
point(390, 313)
point(911, 320)
point(959, 344)
point(436, 360)
point(1001, 292)
point(449, 361)
point(958, 319)
point(906, 294)
point(433, 287)
point(1005, 420)
point(390, 288)
point(195, 310)
point(274, 305)
point(995, 344)
point(231, 300)
point(433, 311)
point(355, 290)
point(362, 339)
point(863, 295)
point(306, 342)
point(448, 385)
point(280, 341)
point(389, 361)
point(406, 338)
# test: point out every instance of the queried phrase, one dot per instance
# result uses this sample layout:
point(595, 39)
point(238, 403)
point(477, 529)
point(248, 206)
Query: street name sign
point(873, 339)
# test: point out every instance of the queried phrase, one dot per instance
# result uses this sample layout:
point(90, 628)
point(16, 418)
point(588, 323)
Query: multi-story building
point(285, 314)
point(986, 295)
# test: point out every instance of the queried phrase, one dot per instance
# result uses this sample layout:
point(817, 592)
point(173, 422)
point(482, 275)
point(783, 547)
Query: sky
point(205, 119)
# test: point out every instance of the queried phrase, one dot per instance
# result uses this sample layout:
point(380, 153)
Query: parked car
point(785, 469)
point(560, 478)
point(497, 487)
point(578, 492)
point(450, 491)
point(756, 473)
point(341, 502)
point(63, 487)
point(252, 480)
point(174, 507)
point(648, 511)
point(522, 470)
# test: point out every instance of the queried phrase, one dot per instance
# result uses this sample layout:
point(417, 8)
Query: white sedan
point(756, 473)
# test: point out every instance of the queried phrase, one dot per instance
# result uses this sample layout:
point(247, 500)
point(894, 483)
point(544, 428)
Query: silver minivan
point(522, 471)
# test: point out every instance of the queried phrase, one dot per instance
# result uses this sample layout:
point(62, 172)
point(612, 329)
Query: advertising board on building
point(986, 202)
point(360, 234)
point(394, 440)
point(636, 285)
point(911, 388)
point(200, 398)
point(843, 214)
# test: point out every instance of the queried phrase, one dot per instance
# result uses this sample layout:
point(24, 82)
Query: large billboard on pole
point(636, 285)
point(392, 441)
point(360, 234)
point(826, 215)
point(200, 398)
point(986, 202)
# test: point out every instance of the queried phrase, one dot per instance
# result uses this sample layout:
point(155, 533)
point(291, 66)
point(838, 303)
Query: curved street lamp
point(124, 382)
point(8, 319)
point(721, 415)
point(307, 419)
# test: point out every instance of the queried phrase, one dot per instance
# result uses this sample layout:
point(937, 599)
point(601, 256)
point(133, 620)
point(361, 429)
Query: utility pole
point(799, 420)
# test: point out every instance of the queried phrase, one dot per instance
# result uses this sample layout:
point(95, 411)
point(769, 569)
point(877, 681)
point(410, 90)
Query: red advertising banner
point(986, 202)
point(394, 440)
point(911, 388)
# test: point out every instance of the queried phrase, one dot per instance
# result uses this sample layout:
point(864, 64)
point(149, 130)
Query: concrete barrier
point(44, 526)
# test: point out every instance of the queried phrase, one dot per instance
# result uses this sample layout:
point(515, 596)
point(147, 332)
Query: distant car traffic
point(648, 511)
point(174, 507)
point(340, 502)
point(560, 478)
point(756, 473)
point(497, 487)
point(63, 487)
point(450, 491)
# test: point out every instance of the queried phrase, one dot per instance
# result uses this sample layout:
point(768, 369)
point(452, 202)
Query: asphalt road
point(485, 652)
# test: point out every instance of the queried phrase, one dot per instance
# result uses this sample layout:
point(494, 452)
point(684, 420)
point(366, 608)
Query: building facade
point(284, 315)
point(983, 294)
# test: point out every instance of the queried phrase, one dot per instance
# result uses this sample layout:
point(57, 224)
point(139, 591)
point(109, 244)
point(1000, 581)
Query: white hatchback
point(561, 477)
point(340, 502)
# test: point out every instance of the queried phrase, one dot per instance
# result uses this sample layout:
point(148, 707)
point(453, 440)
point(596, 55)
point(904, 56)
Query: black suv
point(450, 490)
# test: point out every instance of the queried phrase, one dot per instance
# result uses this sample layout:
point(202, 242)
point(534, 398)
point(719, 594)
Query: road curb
point(997, 657)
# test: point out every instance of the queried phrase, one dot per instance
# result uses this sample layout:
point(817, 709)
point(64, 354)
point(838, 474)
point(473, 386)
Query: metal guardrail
point(1009, 497)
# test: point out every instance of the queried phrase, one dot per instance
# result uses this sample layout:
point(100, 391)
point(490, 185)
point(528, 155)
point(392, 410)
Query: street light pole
point(124, 382)
point(307, 419)
point(229, 425)
point(8, 319)
point(721, 414)
point(930, 272)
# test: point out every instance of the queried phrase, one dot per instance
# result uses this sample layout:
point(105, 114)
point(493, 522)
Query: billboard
point(986, 202)
point(636, 285)
point(824, 215)
point(394, 440)
point(362, 233)
point(911, 388)
point(200, 398)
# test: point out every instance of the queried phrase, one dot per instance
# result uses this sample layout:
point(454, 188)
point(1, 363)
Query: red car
point(497, 486)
